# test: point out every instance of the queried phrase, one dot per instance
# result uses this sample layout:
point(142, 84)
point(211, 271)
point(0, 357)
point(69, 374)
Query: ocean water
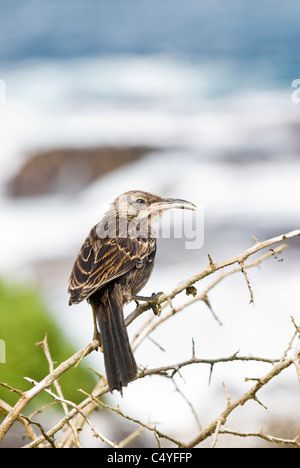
point(231, 149)
point(249, 33)
point(234, 149)
point(215, 100)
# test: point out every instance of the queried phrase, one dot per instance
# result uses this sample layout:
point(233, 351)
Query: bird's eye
point(140, 201)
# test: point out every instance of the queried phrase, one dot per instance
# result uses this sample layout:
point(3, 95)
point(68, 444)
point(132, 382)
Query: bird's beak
point(168, 203)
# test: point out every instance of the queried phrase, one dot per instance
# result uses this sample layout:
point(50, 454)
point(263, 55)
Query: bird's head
point(141, 205)
point(140, 209)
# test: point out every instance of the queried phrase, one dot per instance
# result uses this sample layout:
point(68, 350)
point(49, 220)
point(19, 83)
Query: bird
point(113, 265)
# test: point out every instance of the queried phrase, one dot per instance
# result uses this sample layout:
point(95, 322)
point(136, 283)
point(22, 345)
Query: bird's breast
point(134, 281)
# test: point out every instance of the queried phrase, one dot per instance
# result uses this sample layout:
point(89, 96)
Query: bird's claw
point(152, 301)
point(154, 305)
point(97, 337)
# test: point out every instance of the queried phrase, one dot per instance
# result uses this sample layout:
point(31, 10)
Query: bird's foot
point(151, 300)
point(97, 337)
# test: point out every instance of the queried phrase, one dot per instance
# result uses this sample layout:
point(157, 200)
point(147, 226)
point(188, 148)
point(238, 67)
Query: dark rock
point(69, 170)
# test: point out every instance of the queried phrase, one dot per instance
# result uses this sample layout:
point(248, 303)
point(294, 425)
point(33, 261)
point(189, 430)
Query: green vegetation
point(24, 321)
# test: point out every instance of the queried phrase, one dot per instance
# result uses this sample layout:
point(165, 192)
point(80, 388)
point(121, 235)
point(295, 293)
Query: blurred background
point(186, 99)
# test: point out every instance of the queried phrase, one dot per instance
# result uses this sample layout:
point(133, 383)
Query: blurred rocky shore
point(69, 170)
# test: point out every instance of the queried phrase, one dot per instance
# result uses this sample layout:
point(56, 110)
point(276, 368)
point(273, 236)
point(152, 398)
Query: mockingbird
point(114, 264)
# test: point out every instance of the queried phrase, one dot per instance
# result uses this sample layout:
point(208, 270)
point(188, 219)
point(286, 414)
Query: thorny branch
point(75, 416)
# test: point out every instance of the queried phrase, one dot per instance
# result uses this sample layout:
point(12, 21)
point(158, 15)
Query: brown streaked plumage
point(113, 265)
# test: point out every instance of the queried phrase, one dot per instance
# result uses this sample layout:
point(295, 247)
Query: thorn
point(210, 374)
point(193, 348)
point(247, 281)
point(211, 263)
point(206, 301)
point(259, 402)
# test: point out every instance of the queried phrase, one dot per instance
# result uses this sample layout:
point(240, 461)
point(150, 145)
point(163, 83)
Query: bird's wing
point(103, 260)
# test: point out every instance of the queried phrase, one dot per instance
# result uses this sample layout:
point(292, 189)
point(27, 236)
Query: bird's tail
point(119, 361)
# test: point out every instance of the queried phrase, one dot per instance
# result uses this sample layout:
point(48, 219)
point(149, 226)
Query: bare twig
point(250, 395)
point(39, 387)
point(140, 423)
point(77, 415)
point(212, 268)
point(277, 440)
point(5, 409)
point(153, 321)
point(45, 347)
